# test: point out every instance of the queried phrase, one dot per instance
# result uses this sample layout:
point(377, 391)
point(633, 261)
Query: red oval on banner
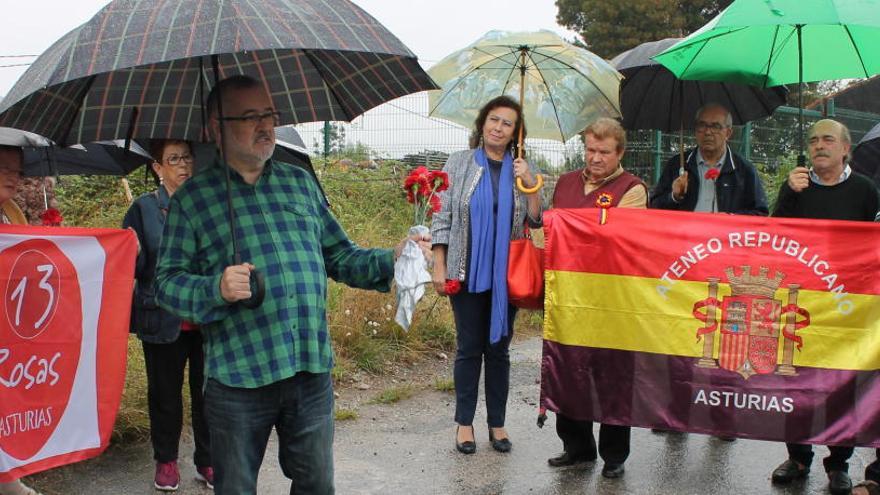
point(40, 342)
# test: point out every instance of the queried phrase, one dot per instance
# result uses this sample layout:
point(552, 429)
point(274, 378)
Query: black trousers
point(165, 365)
point(472, 314)
point(577, 439)
point(872, 471)
point(836, 461)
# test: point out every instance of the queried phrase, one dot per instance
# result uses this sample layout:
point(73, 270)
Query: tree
point(609, 28)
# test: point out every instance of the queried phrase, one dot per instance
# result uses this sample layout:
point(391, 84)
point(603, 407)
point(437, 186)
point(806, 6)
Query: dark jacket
point(146, 217)
point(739, 188)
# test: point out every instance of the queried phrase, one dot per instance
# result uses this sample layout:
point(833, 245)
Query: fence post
point(658, 155)
point(326, 138)
point(747, 141)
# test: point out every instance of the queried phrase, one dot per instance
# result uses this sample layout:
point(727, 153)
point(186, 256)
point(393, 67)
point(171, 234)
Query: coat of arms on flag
point(751, 319)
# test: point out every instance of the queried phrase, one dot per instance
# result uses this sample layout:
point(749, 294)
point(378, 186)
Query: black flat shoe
point(788, 471)
point(468, 447)
point(612, 471)
point(839, 483)
point(504, 445)
point(566, 459)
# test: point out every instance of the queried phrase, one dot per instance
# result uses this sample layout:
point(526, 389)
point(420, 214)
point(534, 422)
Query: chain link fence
point(403, 130)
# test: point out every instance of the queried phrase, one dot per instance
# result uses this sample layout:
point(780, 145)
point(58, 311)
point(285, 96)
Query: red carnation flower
point(451, 287)
point(435, 204)
point(712, 173)
point(51, 218)
point(439, 180)
point(417, 183)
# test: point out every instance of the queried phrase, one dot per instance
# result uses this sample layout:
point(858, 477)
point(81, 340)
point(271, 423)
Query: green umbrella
point(774, 42)
point(562, 87)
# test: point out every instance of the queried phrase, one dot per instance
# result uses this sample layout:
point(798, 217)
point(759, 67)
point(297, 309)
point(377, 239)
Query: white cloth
point(410, 275)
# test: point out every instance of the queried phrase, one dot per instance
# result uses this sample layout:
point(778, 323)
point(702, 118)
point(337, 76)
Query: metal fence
point(403, 130)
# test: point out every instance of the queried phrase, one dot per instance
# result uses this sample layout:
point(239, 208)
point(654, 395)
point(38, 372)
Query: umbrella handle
point(258, 290)
point(530, 190)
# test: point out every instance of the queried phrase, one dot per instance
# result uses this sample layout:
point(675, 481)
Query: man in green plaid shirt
point(270, 365)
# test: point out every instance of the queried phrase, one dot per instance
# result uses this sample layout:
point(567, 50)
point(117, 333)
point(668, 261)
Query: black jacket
point(738, 188)
point(146, 217)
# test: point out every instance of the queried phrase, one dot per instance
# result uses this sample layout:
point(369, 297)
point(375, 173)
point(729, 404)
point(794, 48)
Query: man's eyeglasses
point(706, 126)
point(255, 119)
point(177, 160)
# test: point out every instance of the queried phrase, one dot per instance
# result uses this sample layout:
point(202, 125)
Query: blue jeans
point(241, 420)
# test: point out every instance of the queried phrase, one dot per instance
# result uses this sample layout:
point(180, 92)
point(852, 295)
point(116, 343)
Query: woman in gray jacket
point(480, 213)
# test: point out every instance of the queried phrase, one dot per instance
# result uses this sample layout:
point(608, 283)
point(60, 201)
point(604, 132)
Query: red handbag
point(525, 274)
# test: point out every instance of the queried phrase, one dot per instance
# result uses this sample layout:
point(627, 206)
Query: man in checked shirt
point(268, 366)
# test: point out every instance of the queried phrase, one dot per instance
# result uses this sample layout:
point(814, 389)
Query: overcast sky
point(430, 28)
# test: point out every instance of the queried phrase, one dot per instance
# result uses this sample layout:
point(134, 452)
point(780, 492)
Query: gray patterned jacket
point(451, 225)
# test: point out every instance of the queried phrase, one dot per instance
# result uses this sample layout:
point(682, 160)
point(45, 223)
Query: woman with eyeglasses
point(168, 341)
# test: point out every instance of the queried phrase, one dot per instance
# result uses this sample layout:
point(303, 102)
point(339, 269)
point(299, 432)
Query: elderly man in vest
point(602, 177)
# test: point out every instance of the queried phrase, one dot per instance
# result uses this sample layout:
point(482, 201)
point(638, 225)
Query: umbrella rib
point(549, 95)
point(770, 56)
point(507, 81)
point(495, 57)
point(856, 48)
point(80, 101)
point(446, 93)
point(551, 57)
point(654, 74)
point(734, 108)
point(324, 78)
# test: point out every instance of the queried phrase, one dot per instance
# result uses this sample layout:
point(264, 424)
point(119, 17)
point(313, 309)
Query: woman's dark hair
point(503, 101)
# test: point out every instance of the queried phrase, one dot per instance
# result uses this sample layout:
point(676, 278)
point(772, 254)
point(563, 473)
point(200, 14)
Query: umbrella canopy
point(565, 87)
point(101, 158)
point(143, 68)
point(42, 158)
point(769, 43)
point(17, 137)
point(651, 97)
point(866, 155)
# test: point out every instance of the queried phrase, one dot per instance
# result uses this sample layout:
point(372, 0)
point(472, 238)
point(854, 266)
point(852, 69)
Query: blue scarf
point(490, 240)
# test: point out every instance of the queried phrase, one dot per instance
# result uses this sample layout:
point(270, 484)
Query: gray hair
point(728, 119)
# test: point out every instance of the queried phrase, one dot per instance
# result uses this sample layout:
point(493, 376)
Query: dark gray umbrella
point(141, 69)
point(103, 158)
point(866, 155)
point(651, 97)
point(42, 158)
point(289, 148)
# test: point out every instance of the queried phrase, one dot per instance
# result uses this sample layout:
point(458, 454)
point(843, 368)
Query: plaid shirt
point(283, 229)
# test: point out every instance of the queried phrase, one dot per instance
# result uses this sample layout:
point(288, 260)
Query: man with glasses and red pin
point(266, 365)
point(715, 178)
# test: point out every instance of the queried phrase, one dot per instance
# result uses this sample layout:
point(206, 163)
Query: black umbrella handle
point(258, 290)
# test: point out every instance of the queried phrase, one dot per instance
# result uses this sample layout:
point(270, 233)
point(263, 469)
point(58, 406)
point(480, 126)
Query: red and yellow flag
point(737, 325)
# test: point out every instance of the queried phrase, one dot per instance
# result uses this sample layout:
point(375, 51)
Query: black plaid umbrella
point(651, 97)
point(142, 68)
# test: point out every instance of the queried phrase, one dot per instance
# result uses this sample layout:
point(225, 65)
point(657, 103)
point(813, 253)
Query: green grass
point(394, 394)
point(444, 385)
point(346, 415)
